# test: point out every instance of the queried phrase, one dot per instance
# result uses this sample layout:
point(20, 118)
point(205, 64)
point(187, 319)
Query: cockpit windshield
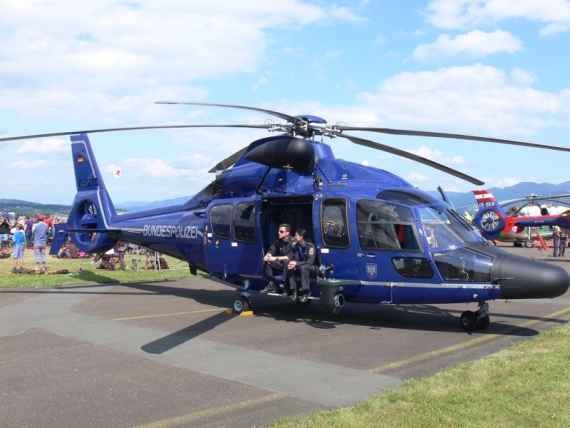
point(443, 227)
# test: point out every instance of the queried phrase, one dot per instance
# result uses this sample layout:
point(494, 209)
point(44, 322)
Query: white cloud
point(416, 176)
point(437, 156)
point(103, 62)
point(460, 14)
point(47, 146)
point(262, 81)
point(501, 182)
point(477, 99)
point(156, 168)
point(344, 14)
point(196, 160)
point(475, 44)
point(28, 164)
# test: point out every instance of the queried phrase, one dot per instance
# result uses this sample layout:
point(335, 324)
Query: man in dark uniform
point(276, 259)
point(303, 257)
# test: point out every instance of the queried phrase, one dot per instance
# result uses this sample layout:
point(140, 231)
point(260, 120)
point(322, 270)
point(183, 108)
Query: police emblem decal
point(371, 270)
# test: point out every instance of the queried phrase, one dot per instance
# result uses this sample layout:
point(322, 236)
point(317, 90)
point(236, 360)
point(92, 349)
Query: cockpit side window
point(385, 226)
point(444, 227)
point(334, 224)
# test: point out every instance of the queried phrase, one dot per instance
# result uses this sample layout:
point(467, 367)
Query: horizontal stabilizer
point(94, 230)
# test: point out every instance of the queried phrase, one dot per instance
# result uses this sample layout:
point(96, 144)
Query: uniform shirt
point(280, 248)
point(303, 255)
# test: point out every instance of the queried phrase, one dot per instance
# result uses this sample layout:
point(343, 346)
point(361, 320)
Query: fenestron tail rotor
point(490, 220)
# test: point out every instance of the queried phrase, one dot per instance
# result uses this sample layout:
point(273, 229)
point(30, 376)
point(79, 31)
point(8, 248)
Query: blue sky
point(488, 67)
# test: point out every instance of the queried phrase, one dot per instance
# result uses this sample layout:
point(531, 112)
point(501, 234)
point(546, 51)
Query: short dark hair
point(286, 227)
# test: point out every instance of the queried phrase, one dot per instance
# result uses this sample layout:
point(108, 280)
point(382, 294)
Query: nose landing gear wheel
point(468, 321)
point(241, 304)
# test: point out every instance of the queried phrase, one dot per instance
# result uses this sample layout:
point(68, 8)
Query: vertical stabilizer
point(490, 218)
point(92, 210)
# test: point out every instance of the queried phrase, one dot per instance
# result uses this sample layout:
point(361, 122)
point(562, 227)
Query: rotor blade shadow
point(166, 343)
point(402, 317)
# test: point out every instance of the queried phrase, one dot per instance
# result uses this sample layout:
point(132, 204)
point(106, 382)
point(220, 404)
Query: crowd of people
point(36, 233)
point(26, 232)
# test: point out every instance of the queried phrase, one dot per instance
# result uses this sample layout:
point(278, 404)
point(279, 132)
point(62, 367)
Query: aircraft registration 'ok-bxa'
point(379, 240)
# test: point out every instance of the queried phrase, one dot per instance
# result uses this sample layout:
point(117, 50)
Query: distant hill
point(32, 208)
point(139, 206)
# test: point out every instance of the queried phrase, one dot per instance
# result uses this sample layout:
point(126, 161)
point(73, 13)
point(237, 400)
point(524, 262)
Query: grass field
point(90, 272)
point(527, 385)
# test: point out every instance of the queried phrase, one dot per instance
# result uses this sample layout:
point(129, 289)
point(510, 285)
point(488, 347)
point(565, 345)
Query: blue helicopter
point(379, 240)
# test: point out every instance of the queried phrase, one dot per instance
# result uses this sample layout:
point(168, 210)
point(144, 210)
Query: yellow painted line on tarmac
point(212, 412)
point(452, 348)
point(172, 314)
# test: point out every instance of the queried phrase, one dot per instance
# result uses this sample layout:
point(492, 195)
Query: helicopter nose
point(524, 278)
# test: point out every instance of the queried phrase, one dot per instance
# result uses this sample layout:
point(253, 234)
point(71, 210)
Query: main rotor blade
point(288, 118)
point(230, 160)
point(454, 136)
point(513, 201)
point(411, 156)
point(132, 128)
point(547, 198)
point(537, 199)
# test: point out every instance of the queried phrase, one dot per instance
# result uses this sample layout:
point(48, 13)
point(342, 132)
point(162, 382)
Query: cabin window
point(334, 224)
point(385, 226)
point(220, 220)
point(413, 267)
point(244, 222)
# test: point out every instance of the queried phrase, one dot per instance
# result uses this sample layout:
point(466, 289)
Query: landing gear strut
point(476, 320)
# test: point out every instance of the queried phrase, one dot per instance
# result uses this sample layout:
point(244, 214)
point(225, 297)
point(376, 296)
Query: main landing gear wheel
point(468, 321)
point(482, 322)
point(241, 304)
